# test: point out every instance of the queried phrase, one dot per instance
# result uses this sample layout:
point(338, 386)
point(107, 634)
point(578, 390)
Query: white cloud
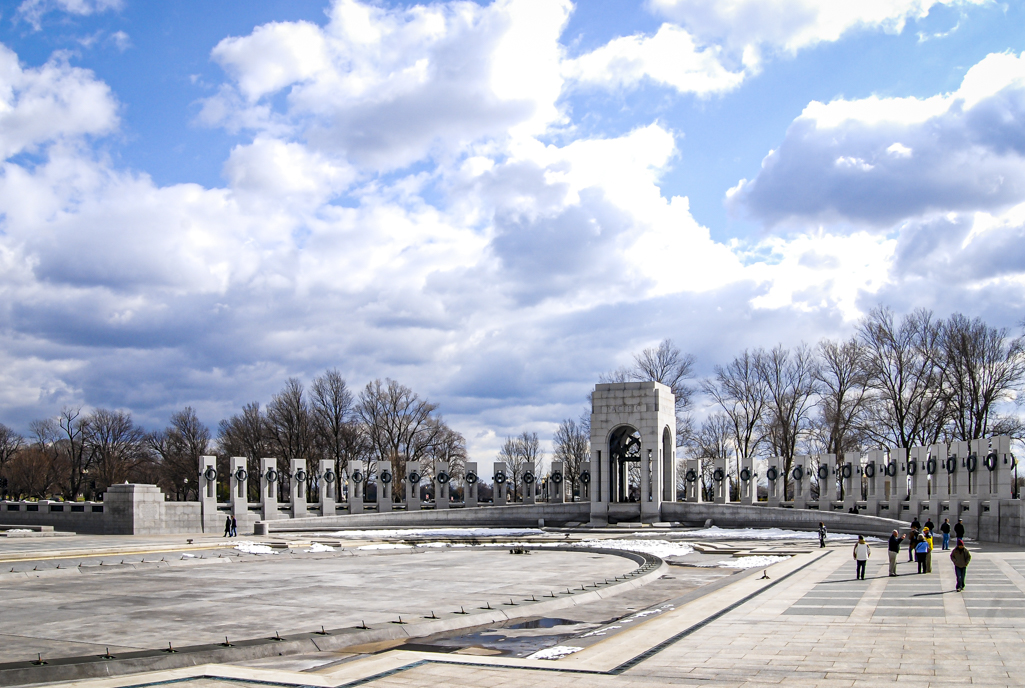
point(32, 11)
point(669, 58)
point(50, 103)
point(790, 25)
point(876, 161)
point(385, 87)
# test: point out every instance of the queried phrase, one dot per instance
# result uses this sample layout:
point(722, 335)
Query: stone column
point(471, 482)
point(875, 474)
point(748, 482)
point(897, 477)
point(327, 484)
point(850, 475)
point(692, 481)
point(269, 489)
point(501, 480)
point(357, 476)
point(529, 480)
point(959, 486)
point(917, 470)
point(238, 479)
point(801, 475)
point(939, 487)
point(720, 481)
point(1002, 476)
point(774, 476)
point(442, 483)
point(584, 481)
point(208, 490)
point(557, 484)
point(297, 469)
point(413, 478)
point(825, 472)
point(385, 480)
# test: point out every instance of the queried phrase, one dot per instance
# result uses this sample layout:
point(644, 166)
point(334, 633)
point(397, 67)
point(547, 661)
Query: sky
point(491, 202)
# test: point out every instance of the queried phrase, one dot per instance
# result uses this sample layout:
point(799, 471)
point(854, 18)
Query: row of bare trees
point(898, 382)
point(79, 454)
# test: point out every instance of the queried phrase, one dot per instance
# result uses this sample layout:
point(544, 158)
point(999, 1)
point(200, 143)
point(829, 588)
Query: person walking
point(822, 534)
point(912, 541)
point(234, 527)
point(927, 533)
point(959, 530)
point(227, 526)
point(961, 557)
point(861, 555)
point(921, 548)
point(893, 549)
point(945, 529)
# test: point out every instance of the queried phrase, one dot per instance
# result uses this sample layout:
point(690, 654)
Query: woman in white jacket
point(861, 555)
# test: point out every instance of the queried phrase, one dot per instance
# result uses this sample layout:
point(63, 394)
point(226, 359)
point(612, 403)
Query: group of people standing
point(920, 549)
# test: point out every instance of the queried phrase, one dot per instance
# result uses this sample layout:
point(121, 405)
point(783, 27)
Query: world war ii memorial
point(512, 343)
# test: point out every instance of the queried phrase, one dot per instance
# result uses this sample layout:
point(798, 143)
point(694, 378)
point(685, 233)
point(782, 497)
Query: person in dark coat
point(234, 527)
point(960, 557)
point(945, 529)
point(822, 534)
point(916, 524)
point(912, 541)
point(959, 530)
point(930, 525)
point(892, 550)
point(227, 526)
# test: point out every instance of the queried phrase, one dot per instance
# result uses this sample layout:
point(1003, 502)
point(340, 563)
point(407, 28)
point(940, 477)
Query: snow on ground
point(253, 548)
point(659, 548)
point(18, 530)
point(555, 652)
point(317, 547)
point(433, 532)
point(762, 534)
point(749, 562)
point(386, 546)
point(600, 631)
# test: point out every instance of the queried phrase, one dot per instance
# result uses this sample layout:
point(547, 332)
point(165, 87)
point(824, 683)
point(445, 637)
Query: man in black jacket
point(893, 549)
point(959, 529)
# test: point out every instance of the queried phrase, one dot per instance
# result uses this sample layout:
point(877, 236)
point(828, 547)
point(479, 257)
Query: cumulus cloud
point(669, 58)
point(50, 103)
point(789, 25)
point(385, 87)
point(876, 161)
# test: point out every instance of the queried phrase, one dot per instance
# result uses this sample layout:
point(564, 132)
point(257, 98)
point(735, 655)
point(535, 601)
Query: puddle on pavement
point(514, 640)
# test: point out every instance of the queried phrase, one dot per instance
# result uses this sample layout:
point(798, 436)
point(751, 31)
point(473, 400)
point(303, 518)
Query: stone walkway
point(811, 624)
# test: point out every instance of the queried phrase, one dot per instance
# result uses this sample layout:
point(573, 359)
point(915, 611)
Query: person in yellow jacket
point(928, 555)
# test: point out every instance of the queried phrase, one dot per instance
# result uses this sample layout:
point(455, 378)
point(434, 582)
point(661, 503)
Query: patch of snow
point(600, 631)
point(556, 652)
point(18, 530)
point(317, 547)
point(659, 548)
point(750, 562)
point(386, 546)
point(253, 548)
point(449, 533)
point(188, 556)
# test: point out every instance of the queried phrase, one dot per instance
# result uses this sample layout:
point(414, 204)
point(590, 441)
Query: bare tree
point(572, 446)
point(244, 434)
point(715, 439)
point(843, 396)
point(179, 447)
point(30, 473)
point(519, 453)
point(289, 428)
point(117, 446)
point(903, 365)
point(71, 449)
point(397, 422)
point(670, 366)
point(741, 393)
point(10, 444)
point(336, 432)
point(789, 379)
point(983, 367)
